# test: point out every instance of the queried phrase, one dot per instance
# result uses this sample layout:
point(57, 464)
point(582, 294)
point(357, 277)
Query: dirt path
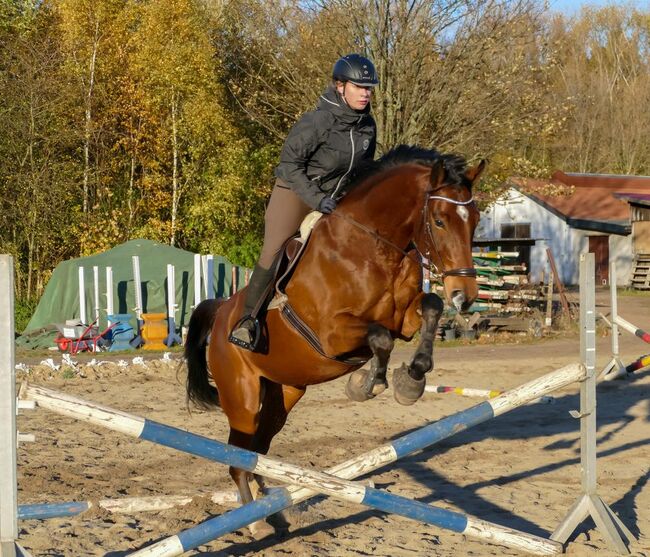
point(520, 470)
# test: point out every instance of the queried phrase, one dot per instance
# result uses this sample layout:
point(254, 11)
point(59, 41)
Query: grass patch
point(633, 293)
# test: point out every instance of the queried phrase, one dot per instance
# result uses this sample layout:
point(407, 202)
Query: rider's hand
point(327, 205)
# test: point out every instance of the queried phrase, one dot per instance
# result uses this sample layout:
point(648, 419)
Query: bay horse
point(356, 288)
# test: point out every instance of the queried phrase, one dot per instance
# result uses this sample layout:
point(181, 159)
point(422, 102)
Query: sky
point(571, 7)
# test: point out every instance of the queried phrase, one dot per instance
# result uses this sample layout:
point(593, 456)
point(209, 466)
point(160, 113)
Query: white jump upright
point(172, 336)
point(589, 502)
point(8, 433)
point(139, 309)
point(82, 297)
point(197, 280)
point(615, 367)
point(109, 293)
point(208, 276)
point(96, 292)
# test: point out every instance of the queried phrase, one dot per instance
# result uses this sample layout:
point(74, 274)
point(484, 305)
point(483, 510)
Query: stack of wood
point(506, 300)
point(503, 284)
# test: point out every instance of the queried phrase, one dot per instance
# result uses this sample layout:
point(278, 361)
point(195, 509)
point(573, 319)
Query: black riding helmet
point(357, 69)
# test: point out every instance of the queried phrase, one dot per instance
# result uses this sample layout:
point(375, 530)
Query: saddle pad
point(308, 223)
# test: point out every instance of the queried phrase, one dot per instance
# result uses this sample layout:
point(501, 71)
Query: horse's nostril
point(458, 299)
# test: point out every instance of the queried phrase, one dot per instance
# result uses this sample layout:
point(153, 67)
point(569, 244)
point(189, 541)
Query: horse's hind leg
point(277, 402)
point(365, 384)
point(241, 402)
point(408, 382)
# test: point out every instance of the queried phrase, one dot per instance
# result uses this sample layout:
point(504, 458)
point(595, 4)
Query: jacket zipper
point(351, 161)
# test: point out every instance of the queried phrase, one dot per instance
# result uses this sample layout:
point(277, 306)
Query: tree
point(468, 75)
point(604, 80)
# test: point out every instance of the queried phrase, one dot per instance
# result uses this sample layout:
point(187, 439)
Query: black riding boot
point(246, 331)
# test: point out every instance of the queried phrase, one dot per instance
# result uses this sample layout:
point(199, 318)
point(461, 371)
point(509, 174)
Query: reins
point(432, 268)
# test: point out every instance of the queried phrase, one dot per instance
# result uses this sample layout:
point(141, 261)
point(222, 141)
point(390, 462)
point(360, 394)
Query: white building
point(570, 214)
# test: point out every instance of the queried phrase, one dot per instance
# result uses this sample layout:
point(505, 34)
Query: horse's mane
point(455, 165)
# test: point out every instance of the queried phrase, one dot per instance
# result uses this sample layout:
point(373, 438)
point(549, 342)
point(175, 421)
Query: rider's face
point(356, 96)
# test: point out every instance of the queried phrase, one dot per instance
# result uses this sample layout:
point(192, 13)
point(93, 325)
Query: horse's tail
point(199, 389)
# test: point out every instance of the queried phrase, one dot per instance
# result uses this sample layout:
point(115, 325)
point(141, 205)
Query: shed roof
point(588, 201)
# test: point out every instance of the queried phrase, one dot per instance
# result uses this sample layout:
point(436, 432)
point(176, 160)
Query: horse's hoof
point(357, 387)
point(261, 529)
point(407, 390)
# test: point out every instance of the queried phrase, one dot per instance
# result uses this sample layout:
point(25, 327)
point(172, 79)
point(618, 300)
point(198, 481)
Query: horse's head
point(450, 217)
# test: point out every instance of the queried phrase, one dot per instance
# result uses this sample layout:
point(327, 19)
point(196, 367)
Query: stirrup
point(255, 332)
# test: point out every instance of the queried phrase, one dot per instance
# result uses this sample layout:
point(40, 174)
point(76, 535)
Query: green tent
point(60, 301)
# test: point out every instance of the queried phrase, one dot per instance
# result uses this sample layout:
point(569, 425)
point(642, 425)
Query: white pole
point(109, 292)
point(172, 337)
point(171, 292)
point(197, 279)
point(233, 285)
point(615, 368)
point(137, 287)
point(8, 485)
point(208, 276)
point(82, 297)
point(96, 291)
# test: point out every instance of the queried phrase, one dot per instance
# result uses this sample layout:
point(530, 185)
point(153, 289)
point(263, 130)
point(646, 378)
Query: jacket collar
point(331, 101)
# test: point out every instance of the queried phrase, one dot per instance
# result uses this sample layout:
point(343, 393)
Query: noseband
point(430, 242)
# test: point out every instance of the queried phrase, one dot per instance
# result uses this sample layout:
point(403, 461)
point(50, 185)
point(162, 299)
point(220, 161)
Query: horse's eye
point(439, 223)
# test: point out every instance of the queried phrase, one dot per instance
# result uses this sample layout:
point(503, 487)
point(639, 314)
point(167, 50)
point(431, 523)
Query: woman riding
point(320, 152)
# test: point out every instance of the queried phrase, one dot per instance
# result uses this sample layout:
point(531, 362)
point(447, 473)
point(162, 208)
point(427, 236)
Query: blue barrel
point(123, 333)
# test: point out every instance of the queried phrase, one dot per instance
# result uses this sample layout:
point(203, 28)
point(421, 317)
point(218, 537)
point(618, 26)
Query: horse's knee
point(432, 306)
point(380, 339)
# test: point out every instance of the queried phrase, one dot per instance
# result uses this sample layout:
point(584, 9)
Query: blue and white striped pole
point(322, 483)
point(147, 503)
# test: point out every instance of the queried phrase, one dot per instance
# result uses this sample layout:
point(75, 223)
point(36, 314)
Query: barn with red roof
point(571, 214)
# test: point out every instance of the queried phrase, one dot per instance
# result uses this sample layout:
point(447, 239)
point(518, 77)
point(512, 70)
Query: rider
point(318, 155)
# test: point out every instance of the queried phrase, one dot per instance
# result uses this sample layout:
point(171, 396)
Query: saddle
point(290, 255)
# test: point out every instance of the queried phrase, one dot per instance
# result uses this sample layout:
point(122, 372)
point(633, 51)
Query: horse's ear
point(438, 174)
point(474, 173)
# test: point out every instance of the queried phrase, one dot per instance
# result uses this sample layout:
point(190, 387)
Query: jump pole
point(643, 361)
point(322, 483)
point(589, 502)
point(42, 511)
point(476, 393)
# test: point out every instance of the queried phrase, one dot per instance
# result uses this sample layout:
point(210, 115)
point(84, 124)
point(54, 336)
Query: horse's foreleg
point(365, 384)
point(408, 382)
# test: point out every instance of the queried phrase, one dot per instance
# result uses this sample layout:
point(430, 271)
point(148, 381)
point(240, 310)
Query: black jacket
point(323, 147)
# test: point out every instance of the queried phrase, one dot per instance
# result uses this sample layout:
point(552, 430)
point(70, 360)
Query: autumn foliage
point(164, 118)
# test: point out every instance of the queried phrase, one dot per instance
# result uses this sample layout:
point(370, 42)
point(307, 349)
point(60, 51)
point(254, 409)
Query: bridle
point(430, 243)
point(468, 272)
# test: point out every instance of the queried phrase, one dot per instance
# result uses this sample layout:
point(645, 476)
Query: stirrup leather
point(255, 332)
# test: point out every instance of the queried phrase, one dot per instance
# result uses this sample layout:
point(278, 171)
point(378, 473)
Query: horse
point(355, 289)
